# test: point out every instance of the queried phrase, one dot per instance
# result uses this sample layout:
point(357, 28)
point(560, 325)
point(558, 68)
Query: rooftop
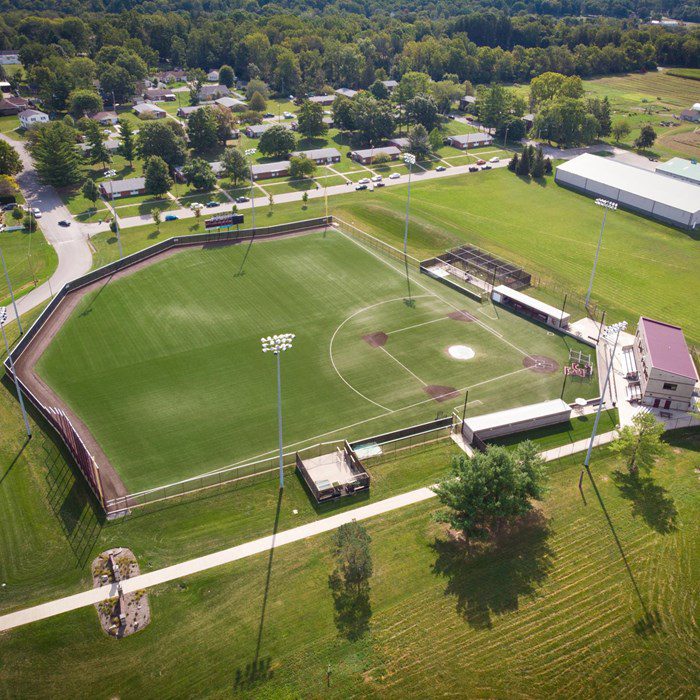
point(142, 107)
point(533, 303)
point(128, 185)
point(667, 348)
point(471, 138)
point(520, 414)
point(317, 153)
point(643, 183)
point(263, 168)
point(681, 167)
point(371, 152)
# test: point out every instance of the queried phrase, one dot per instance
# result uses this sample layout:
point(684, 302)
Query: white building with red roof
point(667, 374)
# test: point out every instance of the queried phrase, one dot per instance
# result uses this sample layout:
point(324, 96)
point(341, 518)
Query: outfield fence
point(388, 445)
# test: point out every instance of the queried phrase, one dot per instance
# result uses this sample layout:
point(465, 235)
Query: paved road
point(71, 244)
point(241, 551)
point(262, 201)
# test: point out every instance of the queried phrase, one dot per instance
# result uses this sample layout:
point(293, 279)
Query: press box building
point(657, 196)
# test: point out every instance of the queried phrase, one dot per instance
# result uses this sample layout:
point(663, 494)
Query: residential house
point(4, 88)
point(185, 112)
point(466, 141)
point(149, 111)
point(10, 106)
point(31, 117)
point(320, 156)
point(264, 171)
point(324, 100)
point(390, 85)
point(367, 155)
point(665, 368)
point(9, 58)
point(172, 76)
point(213, 76)
point(159, 95)
point(529, 120)
point(401, 142)
point(467, 103)
point(692, 114)
point(346, 92)
point(208, 93)
point(131, 187)
point(112, 145)
point(255, 131)
point(230, 102)
point(681, 169)
point(105, 118)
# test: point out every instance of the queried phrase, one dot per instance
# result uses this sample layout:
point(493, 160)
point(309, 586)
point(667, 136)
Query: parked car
point(268, 115)
point(481, 161)
point(242, 199)
point(170, 217)
point(473, 168)
point(377, 178)
point(381, 184)
point(486, 167)
point(64, 223)
point(495, 159)
point(394, 176)
point(288, 115)
point(360, 187)
point(440, 169)
point(364, 181)
point(212, 204)
point(196, 205)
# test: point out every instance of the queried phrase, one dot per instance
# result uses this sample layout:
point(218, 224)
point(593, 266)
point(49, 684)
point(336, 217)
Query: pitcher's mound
point(460, 352)
point(376, 340)
point(441, 393)
point(541, 364)
point(461, 316)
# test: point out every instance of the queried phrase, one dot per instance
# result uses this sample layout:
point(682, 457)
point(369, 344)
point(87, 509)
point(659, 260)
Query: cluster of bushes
point(531, 163)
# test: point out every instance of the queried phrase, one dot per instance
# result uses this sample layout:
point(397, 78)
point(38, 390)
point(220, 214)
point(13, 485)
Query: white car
point(364, 181)
point(377, 178)
point(394, 176)
point(37, 213)
point(288, 115)
point(495, 159)
point(196, 205)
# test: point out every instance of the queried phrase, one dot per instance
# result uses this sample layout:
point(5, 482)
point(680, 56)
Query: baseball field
point(164, 366)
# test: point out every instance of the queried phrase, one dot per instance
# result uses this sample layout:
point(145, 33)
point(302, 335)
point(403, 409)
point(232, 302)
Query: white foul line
point(398, 362)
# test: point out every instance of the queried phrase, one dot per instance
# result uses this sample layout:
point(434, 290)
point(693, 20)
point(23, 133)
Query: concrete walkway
point(241, 551)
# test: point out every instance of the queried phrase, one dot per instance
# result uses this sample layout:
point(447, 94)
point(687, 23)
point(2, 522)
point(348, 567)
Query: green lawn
point(30, 261)
point(188, 364)
point(82, 208)
point(594, 599)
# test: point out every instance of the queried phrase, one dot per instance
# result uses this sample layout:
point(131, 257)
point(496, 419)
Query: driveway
point(71, 244)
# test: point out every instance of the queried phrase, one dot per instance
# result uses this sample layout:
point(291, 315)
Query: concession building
point(657, 196)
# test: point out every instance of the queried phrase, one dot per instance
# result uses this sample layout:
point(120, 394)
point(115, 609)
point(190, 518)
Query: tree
point(98, 150)
point(226, 76)
point(165, 139)
point(304, 199)
point(158, 180)
point(513, 163)
point(646, 138)
point(537, 167)
point(640, 444)
point(411, 84)
point(235, 165)
point(156, 216)
point(276, 141)
point(494, 106)
point(196, 77)
point(523, 165)
point(436, 139)
point(423, 110)
point(9, 189)
point(202, 128)
point(379, 90)
point(257, 102)
point(29, 222)
point(90, 190)
point(287, 74)
point(548, 167)
point(445, 92)
point(342, 113)
point(301, 166)
point(549, 85)
point(419, 142)
point(491, 489)
point(116, 81)
point(621, 129)
point(224, 123)
point(567, 121)
point(10, 162)
point(270, 202)
point(127, 147)
point(373, 120)
point(82, 102)
point(56, 160)
point(257, 86)
point(199, 174)
point(310, 119)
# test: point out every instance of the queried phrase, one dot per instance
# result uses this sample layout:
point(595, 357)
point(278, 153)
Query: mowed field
point(165, 365)
point(598, 598)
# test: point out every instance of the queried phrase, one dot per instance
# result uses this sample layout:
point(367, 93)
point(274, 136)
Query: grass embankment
point(596, 598)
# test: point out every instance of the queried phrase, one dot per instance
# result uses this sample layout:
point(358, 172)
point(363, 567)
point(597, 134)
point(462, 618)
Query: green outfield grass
point(596, 599)
point(163, 400)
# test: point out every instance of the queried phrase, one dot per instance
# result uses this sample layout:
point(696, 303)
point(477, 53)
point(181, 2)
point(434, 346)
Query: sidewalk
point(264, 544)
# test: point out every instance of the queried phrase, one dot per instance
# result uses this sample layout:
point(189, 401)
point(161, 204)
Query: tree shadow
point(650, 500)
point(257, 671)
point(353, 609)
point(489, 579)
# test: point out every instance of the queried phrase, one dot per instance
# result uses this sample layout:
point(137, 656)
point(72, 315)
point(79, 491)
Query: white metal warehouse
point(657, 196)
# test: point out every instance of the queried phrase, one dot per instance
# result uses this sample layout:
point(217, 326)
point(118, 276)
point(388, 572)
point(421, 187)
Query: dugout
point(530, 307)
point(478, 429)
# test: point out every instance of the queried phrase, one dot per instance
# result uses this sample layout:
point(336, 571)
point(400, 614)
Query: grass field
point(597, 599)
point(30, 261)
point(552, 232)
point(186, 388)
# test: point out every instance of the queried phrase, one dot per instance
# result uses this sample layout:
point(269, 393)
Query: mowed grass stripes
point(165, 365)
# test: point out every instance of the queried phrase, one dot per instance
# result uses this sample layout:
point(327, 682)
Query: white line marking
point(417, 325)
point(398, 362)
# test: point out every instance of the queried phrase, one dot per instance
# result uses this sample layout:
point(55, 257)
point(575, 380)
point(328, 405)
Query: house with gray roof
point(264, 171)
point(116, 189)
point(368, 155)
point(321, 156)
point(465, 141)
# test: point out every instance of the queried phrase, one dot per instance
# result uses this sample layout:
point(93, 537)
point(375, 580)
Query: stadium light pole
point(249, 153)
point(607, 206)
point(277, 344)
point(3, 319)
point(611, 331)
point(110, 174)
point(12, 294)
point(410, 160)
